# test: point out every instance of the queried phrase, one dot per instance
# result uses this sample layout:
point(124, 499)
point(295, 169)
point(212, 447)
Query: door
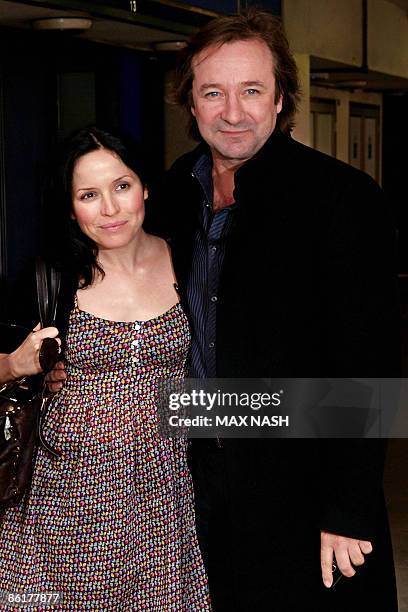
point(323, 125)
point(364, 139)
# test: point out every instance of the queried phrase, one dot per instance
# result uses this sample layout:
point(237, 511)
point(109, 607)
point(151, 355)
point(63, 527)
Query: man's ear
point(145, 193)
point(279, 104)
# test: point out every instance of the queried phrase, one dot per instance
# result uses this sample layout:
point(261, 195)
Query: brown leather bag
point(19, 422)
point(23, 405)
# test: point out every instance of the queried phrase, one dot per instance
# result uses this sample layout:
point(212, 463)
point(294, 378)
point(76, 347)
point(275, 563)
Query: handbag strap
point(47, 297)
point(47, 292)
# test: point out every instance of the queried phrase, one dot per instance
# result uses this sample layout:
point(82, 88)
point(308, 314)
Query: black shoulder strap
point(47, 292)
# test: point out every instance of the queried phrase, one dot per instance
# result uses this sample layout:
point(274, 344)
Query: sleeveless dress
point(109, 525)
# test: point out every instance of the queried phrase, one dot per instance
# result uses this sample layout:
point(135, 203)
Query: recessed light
point(169, 45)
point(63, 23)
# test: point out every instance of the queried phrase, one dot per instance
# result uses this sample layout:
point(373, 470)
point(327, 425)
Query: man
point(284, 260)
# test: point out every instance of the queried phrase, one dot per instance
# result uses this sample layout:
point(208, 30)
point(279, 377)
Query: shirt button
point(214, 298)
point(213, 249)
point(136, 326)
point(211, 344)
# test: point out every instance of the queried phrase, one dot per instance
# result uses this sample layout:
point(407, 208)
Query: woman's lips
point(113, 226)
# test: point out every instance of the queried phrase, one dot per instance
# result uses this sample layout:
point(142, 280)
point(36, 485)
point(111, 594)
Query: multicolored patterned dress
point(109, 525)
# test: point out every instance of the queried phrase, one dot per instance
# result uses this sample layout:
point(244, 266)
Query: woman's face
point(107, 199)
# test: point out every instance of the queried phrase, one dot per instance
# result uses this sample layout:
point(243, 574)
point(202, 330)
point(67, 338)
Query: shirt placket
point(213, 258)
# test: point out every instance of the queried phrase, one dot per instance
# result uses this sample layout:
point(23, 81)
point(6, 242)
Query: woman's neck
point(127, 258)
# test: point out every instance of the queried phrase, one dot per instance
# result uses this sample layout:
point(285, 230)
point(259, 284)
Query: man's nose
point(233, 111)
point(109, 204)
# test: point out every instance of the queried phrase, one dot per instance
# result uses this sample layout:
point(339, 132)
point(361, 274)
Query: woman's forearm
point(6, 369)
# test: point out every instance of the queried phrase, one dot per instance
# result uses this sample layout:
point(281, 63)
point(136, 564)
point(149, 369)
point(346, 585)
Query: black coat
point(308, 289)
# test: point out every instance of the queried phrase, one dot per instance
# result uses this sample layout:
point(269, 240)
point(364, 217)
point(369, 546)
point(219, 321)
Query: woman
point(109, 524)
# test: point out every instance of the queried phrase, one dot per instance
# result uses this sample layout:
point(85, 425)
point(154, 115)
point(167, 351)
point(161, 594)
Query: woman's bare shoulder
point(159, 247)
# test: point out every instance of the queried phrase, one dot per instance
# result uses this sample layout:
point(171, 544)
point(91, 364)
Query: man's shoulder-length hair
point(252, 25)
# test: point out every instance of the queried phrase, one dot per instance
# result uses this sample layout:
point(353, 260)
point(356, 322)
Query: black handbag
point(23, 404)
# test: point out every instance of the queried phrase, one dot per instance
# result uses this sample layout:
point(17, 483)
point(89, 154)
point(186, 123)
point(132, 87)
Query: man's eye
point(212, 94)
point(252, 92)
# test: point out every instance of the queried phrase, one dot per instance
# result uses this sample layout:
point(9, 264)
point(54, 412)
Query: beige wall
point(302, 131)
point(387, 38)
point(176, 141)
point(326, 28)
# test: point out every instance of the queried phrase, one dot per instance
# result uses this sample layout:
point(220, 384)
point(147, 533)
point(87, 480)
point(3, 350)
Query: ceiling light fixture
point(169, 45)
point(63, 23)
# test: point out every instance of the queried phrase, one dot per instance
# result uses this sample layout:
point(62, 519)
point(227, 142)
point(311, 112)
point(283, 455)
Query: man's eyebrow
point(209, 86)
point(206, 86)
point(252, 83)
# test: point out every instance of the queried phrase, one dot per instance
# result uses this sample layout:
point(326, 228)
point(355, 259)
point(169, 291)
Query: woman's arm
point(24, 361)
point(6, 374)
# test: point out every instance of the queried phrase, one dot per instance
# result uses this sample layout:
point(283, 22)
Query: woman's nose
point(109, 205)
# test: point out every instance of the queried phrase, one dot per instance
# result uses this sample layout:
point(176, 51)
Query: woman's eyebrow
point(114, 181)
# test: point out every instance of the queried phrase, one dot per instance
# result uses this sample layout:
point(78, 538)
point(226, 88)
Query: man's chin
point(237, 152)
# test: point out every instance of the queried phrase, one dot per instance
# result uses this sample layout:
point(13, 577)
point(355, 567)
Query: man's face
point(234, 98)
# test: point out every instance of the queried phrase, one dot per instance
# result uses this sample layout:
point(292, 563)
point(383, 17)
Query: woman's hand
point(56, 377)
point(24, 361)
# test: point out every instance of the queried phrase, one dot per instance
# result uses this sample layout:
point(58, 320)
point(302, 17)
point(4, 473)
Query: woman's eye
point(123, 187)
point(88, 195)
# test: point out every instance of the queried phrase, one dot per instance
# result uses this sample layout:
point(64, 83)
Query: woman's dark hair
point(252, 25)
point(64, 245)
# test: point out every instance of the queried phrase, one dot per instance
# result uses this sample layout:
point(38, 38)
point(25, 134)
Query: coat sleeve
point(362, 341)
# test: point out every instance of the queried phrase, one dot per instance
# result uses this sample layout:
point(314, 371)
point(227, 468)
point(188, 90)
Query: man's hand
point(56, 377)
point(347, 551)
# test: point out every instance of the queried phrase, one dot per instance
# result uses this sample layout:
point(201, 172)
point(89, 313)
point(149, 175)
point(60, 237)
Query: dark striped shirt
point(202, 288)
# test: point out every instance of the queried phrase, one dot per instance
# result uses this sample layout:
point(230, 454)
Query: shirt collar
point(202, 170)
